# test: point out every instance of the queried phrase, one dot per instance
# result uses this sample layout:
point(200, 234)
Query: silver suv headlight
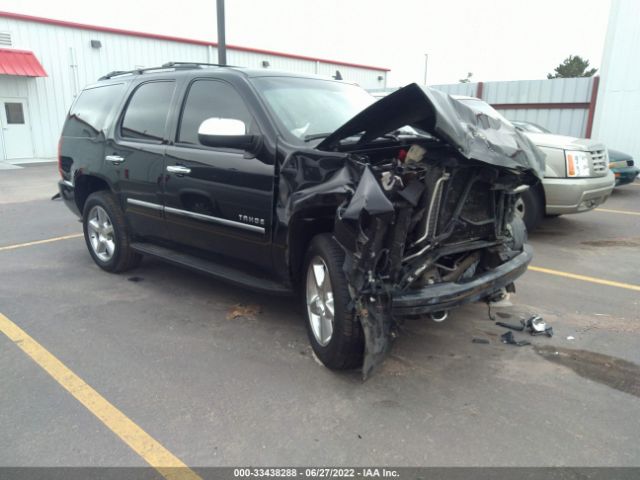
point(577, 163)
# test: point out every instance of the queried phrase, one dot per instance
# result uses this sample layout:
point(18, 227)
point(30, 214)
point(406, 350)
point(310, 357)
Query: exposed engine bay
point(422, 218)
point(417, 219)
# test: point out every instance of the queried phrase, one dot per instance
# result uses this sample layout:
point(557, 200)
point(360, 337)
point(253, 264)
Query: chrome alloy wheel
point(101, 234)
point(320, 305)
point(519, 208)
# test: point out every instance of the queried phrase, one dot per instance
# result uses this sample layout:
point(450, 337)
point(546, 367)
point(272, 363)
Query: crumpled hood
point(474, 134)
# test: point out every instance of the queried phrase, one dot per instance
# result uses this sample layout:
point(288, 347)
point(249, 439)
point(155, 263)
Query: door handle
point(179, 169)
point(116, 159)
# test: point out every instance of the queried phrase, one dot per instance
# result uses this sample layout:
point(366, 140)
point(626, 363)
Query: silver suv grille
point(599, 162)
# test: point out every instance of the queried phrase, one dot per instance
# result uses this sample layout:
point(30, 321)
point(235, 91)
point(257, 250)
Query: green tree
point(573, 66)
point(466, 80)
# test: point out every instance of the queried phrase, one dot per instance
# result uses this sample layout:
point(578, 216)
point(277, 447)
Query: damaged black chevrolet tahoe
point(372, 212)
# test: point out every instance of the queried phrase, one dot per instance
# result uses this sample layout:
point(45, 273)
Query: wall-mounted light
point(96, 44)
point(265, 63)
point(380, 78)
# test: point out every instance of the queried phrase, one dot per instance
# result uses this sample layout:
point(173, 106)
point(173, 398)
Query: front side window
point(147, 112)
point(306, 107)
point(207, 99)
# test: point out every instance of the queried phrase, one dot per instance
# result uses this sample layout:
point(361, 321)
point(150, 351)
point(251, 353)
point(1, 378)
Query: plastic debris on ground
point(512, 326)
point(510, 339)
point(535, 325)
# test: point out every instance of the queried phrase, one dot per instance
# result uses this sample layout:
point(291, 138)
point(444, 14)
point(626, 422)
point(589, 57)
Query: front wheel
point(334, 331)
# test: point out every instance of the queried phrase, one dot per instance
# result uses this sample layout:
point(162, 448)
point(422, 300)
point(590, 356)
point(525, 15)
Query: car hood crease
point(474, 134)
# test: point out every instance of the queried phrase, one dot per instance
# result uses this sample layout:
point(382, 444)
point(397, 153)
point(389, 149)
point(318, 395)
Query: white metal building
point(562, 105)
point(44, 63)
point(617, 118)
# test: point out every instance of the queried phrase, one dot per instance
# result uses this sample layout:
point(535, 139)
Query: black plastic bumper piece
point(67, 195)
point(444, 296)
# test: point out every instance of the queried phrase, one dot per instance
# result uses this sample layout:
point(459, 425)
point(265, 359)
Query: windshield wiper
point(316, 136)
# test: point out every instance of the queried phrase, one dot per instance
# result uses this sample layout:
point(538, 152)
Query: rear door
point(135, 155)
point(218, 199)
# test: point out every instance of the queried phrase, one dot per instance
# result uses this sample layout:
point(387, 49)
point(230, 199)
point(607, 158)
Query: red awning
point(22, 63)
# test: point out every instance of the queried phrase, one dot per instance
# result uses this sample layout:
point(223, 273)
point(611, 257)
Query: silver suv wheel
point(101, 235)
point(320, 303)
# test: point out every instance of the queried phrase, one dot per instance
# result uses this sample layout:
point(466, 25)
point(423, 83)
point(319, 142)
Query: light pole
point(426, 61)
point(222, 43)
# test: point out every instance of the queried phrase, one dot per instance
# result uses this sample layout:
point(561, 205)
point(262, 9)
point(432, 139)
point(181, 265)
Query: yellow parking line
point(167, 464)
point(584, 278)
point(39, 242)
point(624, 212)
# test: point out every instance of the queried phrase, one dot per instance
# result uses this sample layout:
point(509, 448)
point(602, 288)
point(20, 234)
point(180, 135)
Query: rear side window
point(211, 98)
point(147, 111)
point(90, 113)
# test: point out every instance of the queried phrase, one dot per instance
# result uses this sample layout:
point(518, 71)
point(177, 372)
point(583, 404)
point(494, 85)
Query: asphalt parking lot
point(165, 347)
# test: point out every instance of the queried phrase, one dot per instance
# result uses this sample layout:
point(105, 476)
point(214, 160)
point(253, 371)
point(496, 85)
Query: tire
point(343, 348)
point(530, 208)
point(106, 233)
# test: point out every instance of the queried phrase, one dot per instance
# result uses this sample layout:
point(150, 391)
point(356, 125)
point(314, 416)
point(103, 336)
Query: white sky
point(494, 39)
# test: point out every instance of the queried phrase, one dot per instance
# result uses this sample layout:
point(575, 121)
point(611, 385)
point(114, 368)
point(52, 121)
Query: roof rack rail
point(165, 66)
point(193, 64)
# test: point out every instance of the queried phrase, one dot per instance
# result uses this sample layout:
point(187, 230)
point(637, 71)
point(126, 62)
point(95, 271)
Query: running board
point(211, 268)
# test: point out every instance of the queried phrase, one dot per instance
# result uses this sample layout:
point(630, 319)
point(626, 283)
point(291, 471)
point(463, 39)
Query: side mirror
point(227, 133)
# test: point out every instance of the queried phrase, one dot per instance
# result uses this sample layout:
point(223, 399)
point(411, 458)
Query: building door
point(16, 131)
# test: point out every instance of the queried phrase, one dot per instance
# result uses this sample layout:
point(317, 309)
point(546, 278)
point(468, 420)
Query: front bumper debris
point(443, 296)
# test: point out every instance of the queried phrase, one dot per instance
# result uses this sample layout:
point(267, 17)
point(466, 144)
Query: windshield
point(308, 109)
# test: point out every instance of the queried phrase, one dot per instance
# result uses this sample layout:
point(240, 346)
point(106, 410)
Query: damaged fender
point(430, 220)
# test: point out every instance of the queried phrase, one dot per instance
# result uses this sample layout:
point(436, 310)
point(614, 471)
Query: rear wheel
point(334, 331)
point(106, 233)
point(530, 208)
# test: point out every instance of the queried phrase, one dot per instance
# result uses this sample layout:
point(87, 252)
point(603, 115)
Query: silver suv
point(576, 178)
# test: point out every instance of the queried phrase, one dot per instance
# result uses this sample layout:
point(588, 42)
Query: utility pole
point(426, 61)
point(222, 42)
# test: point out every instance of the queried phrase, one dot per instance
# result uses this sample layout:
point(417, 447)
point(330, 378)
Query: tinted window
point(211, 98)
point(88, 115)
point(147, 111)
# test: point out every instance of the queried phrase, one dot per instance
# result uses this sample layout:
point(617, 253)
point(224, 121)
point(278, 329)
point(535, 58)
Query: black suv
point(372, 211)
